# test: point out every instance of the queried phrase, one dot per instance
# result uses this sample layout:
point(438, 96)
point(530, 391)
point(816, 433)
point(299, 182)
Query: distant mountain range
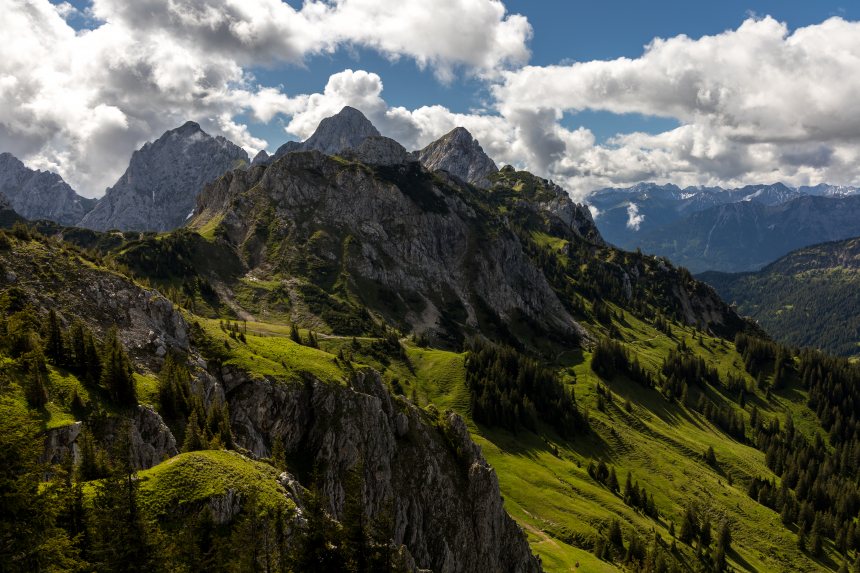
point(810, 297)
point(35, 194)
point(159, 188)
point(711, 228)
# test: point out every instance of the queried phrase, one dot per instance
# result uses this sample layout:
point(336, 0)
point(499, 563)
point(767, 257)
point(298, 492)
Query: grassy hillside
point(810, 297)
point(641, 441)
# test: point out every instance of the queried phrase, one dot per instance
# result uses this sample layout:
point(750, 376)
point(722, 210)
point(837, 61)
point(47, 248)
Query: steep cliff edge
point(421, 466)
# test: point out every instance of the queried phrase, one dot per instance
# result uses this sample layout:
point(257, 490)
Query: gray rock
point(458, 153)
point(261, 158)
point(447, 508)
point(152, 441)
point(159, 189)
point(378, 150)
point(60, 443)
point(345, 130)
point(37, 194)
point(410, 234)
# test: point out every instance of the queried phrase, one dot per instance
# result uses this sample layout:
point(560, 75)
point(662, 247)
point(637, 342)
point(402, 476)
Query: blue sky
point(734, 92)
point(564, 31)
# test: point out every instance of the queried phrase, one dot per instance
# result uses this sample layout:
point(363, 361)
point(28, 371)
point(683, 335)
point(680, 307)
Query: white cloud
point(80, 103)
point(634, 218)
point(756, 104)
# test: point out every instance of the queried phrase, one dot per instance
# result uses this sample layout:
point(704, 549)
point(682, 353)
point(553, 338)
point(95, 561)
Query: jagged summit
point(35, 194)
point(261, 158)
point(344, 130)
point(159, 189)
point(460, 154)
point(378, 150)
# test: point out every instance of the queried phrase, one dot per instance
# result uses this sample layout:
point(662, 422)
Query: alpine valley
point(352, 357)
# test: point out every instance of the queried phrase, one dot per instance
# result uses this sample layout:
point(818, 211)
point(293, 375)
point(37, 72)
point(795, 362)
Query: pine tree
point(117, 376)
point(36, 381)
point(710, 457)
point(54, 346)
point(628, 489)
point(705, 533)
point(30, 539)
point(120, 539)
point(612, 481)
point(689, 526)
point(614, 534)
point(174, 388)
point(816, 542)
point(194, 439)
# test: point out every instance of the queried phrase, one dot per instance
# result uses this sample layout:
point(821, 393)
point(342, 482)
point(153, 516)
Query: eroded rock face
point(60, 443)
point(411, 232)
point(422, 467)
point(148, 324)
point(458, 153)
point(159, 189)
point(378, 150)
point(344, 130)
point(35, 194)
point(151, 441)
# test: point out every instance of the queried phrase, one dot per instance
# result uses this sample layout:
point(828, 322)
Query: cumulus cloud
point(755, 104)
point(634, 218)
point(80, 102)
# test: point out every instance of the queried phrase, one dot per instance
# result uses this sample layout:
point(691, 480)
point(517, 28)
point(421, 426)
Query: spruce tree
point(120, 540)
point(194, 438)
point(117, 376)
point(54, 345)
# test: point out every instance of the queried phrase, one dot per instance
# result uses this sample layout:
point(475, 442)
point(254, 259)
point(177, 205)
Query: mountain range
point(725, 229)
point(810, 297)
point(371, 359)
point(40, 194)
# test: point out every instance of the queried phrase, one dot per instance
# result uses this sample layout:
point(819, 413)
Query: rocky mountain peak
point(344, 130)
point(159, 189)
point(36, 194)
point(460, 154)
point(379, 150)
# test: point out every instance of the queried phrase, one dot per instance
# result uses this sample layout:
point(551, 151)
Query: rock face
point(60, 443)
point(421, 466)
point(410, 233)
point(145, 320)
point(159, 189)
point(458, 153)
point(378, 150)
point(345, 130)
point(151, 440)
point(40, 194)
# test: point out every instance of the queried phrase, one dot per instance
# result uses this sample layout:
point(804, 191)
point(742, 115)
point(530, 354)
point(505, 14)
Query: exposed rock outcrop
point(62, 442)
point(458, 153)
point(421, 466)
point(151, 441)
point(409, 231)
point(35, 194)
point(159, 189)
point(378, 150)
point(344, 130)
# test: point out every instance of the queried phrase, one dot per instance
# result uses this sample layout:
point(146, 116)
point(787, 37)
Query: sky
point(589, 94)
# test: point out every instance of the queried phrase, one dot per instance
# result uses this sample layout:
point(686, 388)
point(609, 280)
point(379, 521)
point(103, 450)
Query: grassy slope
point(553, 498)
point(196, 477)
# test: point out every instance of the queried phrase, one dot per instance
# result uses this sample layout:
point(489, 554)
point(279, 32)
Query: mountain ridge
point(158, 189)
point(36, 194)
